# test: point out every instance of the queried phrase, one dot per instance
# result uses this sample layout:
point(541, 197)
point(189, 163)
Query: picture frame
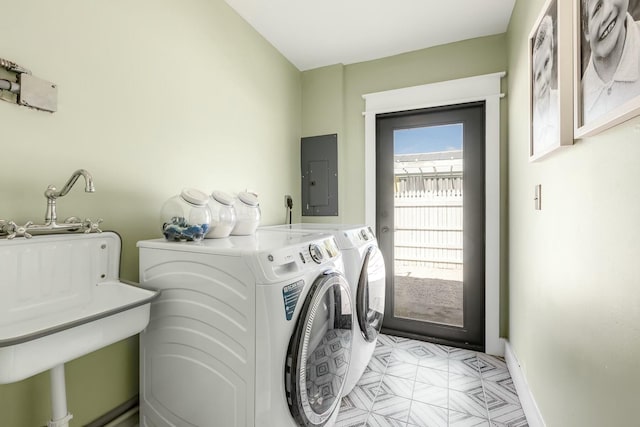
point(551, 70)
point(598, 105)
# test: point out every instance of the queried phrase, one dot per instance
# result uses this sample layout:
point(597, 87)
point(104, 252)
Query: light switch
point(538, 197)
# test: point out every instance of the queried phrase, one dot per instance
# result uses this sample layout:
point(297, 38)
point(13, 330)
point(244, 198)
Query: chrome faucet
point(10, 229)
point(52, 194)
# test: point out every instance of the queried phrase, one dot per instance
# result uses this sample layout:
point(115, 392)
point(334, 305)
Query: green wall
point(573, 268)
point(154, 96)
point(339, 89)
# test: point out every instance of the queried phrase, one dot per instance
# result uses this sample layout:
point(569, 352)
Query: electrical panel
point(319, 163)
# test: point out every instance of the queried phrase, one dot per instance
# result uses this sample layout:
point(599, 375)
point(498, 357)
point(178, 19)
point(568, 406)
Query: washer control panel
point(323, 250)
point(316, 252)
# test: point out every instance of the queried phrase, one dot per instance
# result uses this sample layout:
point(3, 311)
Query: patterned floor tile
point(369, 376)
point(464, 382)
point(514, 419)
point(491, 367)
point(440, 363)
point(502, 401)
point(392, 407)
point(395, 386)
point(503, 388)
point(401, 369)
point(432, 376)
point(376, 420)
point(505, 383)
point(460, 419)
point(461, 354)
point(351, 417)
point(427, 349)
point(422, 414)
point(405, 356)
point(419, 384)
point(364, 393)
point(467, 366)
point(496, 375)
point(422, 349)
point(386, 340)
point(400, 340)
point(495, 361)
point(471, 403)
point(433, 395)
point(380, 358)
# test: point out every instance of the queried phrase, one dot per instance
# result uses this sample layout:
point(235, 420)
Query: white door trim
point(479, 88)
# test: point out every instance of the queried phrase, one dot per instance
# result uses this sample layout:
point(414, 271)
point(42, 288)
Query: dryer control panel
point(358, 236)
point(285, 261)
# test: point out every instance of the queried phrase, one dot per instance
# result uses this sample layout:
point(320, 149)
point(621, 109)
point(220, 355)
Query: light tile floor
point(412, 383)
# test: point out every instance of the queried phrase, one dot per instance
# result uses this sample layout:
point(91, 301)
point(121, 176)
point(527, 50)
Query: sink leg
point(59, 415)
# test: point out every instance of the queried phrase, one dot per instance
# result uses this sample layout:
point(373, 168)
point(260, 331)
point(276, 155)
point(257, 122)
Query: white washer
point(365, 271)
point(248, 331)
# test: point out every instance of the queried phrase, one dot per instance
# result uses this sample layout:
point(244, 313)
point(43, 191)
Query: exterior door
point(430, 222)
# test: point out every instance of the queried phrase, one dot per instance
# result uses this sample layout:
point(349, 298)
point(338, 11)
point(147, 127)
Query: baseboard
point(124, 415)
point(529, 406)
point(131, 418)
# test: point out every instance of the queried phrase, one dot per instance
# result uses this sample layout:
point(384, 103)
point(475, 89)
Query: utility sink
point(60, 298)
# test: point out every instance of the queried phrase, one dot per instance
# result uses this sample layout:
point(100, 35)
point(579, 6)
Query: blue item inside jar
point(179, 230)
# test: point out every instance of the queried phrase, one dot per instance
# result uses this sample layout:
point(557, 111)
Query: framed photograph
point(550, 79)
point(606, 64)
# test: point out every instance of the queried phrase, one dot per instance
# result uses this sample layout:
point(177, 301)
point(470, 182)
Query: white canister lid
point(248, 198)
point(194, 196)
point(222, 198)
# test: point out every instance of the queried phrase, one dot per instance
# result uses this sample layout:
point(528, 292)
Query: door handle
point(384, 229)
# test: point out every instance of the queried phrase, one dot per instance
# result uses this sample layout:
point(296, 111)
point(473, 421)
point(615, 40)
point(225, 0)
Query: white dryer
point(248, 331)
point(365, 271)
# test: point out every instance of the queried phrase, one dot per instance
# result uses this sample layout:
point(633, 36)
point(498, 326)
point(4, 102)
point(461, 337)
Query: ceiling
point(316, 33)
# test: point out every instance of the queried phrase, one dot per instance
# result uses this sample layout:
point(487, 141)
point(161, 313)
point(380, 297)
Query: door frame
point(471, 119)
point(479, 88)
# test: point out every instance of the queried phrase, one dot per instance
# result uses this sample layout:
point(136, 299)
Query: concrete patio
point(431, 295)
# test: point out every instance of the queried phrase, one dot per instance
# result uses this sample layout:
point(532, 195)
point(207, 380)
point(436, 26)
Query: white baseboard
point(128, 419)
point(529, 406)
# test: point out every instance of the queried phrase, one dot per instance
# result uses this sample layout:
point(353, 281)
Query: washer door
point(319, 352)
point(370, 294)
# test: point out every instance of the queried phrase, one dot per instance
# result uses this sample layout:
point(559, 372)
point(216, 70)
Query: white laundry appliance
point(248, 331)
point(365, 271)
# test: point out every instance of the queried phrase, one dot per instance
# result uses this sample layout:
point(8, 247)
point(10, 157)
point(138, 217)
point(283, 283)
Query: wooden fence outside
point(428, 226)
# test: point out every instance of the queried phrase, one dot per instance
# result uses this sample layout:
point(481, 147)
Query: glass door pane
point(428, 224)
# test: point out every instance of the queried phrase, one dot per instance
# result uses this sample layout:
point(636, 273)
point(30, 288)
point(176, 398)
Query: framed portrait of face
point(606, 64)
point(550, 71)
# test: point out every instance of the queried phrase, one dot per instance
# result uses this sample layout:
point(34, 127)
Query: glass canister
point(223, 215)
point(247, 214)
point(187, 216)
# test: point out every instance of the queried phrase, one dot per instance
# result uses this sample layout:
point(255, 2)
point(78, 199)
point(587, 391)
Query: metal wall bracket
point(37, 93)
point(19, 86)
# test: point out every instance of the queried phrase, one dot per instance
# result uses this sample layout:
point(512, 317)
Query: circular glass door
point(370, 294)
point(319, 352)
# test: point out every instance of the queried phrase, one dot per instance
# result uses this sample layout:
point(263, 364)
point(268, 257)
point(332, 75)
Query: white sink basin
point(60, 298)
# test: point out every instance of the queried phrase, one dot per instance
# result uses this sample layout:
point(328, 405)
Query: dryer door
point(370, 294)
point(319, 352)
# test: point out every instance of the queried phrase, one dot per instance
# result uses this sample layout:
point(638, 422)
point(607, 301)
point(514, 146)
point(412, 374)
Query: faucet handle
point(15, 230)
point(92, 226)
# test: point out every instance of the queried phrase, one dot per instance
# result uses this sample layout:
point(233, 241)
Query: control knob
point(316, 253)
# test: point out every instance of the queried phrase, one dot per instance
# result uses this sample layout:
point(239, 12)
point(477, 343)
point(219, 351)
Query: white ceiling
point(315, 33)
